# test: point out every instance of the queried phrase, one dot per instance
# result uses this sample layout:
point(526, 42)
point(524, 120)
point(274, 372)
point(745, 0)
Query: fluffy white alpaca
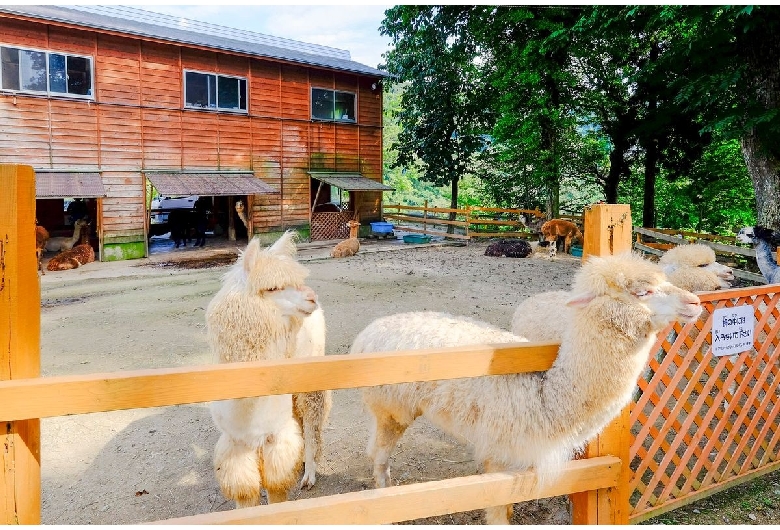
point(531, 420)
point(693, 267)
point(257, 315)
point(689, 267)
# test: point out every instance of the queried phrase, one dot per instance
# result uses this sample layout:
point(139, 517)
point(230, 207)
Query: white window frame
point(334, 92)
point(216, 96)
point(48, 91)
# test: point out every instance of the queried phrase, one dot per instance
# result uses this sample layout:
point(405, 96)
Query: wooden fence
point(599, 482)
point(468, 223)
point(602, 485)
point(720, 244)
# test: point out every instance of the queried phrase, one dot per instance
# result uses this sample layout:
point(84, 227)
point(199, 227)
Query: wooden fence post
point(607, 231)
point(20, 329)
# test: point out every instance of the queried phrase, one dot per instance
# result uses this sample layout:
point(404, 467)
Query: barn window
point(212, 91)
point(45, 72)
point(332, 105)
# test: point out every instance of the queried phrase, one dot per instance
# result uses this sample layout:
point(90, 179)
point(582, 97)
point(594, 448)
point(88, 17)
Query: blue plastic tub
point(381, 228)
point(576, 251)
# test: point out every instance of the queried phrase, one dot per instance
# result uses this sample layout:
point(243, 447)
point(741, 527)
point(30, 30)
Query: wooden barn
point(117, 110)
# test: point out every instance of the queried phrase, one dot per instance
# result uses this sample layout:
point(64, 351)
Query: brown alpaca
point(348, 247)
point(555, 228)
point(41, 236)
point(72, 258)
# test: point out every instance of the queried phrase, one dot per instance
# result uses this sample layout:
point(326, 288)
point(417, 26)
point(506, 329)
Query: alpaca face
point(294, 301)
point(746, 235)
point(668, 303)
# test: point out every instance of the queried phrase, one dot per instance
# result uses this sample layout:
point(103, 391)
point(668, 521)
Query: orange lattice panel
point(701, 421)
point(330, 225)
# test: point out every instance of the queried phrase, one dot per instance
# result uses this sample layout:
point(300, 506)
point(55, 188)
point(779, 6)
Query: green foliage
point(558, 107)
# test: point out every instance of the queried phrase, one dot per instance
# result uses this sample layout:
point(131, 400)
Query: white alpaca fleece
point(539, 419)
point(257, 315)
point(694, 267)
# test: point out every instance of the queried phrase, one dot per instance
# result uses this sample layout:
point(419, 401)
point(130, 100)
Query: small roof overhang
point(61, 184)
point(349, 181)
point(214, 183)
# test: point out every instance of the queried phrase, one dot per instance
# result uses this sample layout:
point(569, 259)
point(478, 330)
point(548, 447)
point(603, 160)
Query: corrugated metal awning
point(60, 184)
point(350, 181)
point(208, 184)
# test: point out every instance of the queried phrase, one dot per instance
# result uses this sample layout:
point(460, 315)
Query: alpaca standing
point(348, 247)
point(58, 244)
point(555, 228)
point(531, 420)
point(258, 314)
point(762, 240)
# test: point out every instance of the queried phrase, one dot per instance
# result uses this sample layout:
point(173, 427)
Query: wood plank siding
point(137, 122)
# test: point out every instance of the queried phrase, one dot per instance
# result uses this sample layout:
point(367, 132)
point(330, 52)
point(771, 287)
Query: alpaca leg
point(236, 469)
point(496, 514)
point(385, 434)
point(280, 461)
point(312, 409)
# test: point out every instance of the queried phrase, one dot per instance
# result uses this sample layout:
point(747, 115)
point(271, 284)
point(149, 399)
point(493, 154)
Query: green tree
point(442, 115)
point(728, 60)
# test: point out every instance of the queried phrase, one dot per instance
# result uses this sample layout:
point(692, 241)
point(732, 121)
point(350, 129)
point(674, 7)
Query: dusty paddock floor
point(150, 464)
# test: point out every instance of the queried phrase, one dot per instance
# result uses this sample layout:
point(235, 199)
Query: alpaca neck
point(76, 234)
point(597, 366)
point(353, 232)
point(766, 261)
point(242, 216)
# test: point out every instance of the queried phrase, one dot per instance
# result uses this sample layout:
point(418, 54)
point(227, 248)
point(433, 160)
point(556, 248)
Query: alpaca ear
point(251, 253)
point(581, 300)
point(285, 245)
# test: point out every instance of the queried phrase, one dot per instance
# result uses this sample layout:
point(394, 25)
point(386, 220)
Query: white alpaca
point(531, 420)
point(58, 244)
point(258, 315)
point(689, 267)
point(693, 267)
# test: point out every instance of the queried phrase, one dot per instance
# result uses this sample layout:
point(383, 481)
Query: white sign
point(732, 330)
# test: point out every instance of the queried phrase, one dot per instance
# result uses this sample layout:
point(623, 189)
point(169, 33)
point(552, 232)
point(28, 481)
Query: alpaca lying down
point(539, 419)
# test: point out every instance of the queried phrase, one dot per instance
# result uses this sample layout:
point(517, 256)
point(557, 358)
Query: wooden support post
point(20, 330)
point(231, 218)
point(425, 218)
point(607, 231)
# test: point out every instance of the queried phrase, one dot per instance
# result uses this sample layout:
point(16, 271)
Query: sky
point(354, 28)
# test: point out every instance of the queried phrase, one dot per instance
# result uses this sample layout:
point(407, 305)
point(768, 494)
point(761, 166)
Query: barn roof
point(118, 18)
point(350, 181)
point(208, 183)
point(60, 184)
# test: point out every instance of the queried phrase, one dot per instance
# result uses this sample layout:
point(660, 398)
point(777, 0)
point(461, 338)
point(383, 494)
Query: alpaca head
point(239, 206)
point(633, 281)
point(272, 271)
point(353, 226)
point(698, 256)
point(750, 234)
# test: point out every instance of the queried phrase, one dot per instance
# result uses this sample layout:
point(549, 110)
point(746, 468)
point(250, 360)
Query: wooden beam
point(80, 394)
point(414, 501)
point(607, 232)
point(20, 330)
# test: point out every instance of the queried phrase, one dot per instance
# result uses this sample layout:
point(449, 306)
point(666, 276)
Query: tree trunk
point(617, 164)
point(453, 203)
point(651, 172)
point(764, 171)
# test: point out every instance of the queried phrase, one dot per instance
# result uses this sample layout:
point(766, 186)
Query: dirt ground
point(144, 465)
